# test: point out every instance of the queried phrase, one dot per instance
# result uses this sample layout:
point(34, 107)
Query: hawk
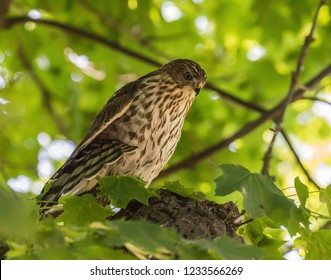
point(134, 134)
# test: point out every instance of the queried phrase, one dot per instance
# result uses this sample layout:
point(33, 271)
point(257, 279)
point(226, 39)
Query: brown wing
point(92, 152)
point(116, 106)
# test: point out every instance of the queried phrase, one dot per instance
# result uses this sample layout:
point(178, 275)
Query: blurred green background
point(53, 82)
point(60, 61)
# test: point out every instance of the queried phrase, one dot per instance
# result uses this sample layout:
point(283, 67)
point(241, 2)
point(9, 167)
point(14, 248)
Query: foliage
point(55, 74)
point(78, 234)
point(261, 196)
point(122, 190)
point(82, 231)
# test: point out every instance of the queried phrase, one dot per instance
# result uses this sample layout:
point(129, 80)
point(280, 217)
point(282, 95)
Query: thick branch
point(190, 218)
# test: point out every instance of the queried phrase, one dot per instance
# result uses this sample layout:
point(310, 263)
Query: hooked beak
point(197, 90)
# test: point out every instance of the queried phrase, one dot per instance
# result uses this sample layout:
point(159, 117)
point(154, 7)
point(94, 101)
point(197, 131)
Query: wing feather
point(93, 152)
point(74, 175)
point(113, 109)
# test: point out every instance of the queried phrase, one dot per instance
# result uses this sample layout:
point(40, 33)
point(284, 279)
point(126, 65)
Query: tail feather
point(81, 168)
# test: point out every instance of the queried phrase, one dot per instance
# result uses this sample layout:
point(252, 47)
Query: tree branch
point(295, 76)
point(46, 95)
point(268, 154)
point(83, 33)
point(243, 103)
point(273, 113)
point(4, 7)
point(317, 99)
point(117, 47)
point(294, 83)
point(305, 171)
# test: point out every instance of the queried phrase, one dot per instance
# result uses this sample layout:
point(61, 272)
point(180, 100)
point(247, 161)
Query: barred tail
point(79, 174)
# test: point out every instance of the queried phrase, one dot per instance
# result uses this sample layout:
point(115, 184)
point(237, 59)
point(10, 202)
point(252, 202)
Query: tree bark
point(192, 219)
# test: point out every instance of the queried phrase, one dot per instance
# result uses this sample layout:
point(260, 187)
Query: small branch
point(83, 33)
point(226, 95)
point(316, 99)
point(295, 76)
point(268, 155)
point(46, 95)
point(291, 92)
point(305, 171)
point(191, 161)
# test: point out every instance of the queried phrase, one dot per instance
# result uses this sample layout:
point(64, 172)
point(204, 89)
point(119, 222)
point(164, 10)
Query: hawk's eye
point(188, 76)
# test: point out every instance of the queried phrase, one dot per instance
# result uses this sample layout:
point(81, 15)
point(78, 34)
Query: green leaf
point(17, 251)
point(302, 191)
point(145, 238)
point(122, 190)
point(299, 216)
point(227, 248)
point(318, 245)
point(79, 252)
point(81, 210)
point(261, 196)
point(18, 212)
point(55, 253)
point(100, 252)
point(231, 179)
point(325, 196)
point(49, 235)
point(262, 233)
point(178, 188)
point(193, 251)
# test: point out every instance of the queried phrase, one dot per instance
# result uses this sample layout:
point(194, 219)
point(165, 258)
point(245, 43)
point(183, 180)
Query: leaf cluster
point(83, 232)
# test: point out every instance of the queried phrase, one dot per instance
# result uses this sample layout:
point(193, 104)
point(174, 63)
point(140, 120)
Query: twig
point(290, 95)
point(46, 95)
point(195, 158)
point(268, 154)
point(295, 76)
point(117, 47)
point(244, 223)
point(305, 171)
point(235, 99)
point(317, 99)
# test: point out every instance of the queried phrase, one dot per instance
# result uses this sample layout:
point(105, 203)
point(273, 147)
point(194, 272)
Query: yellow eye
point(188, 76)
